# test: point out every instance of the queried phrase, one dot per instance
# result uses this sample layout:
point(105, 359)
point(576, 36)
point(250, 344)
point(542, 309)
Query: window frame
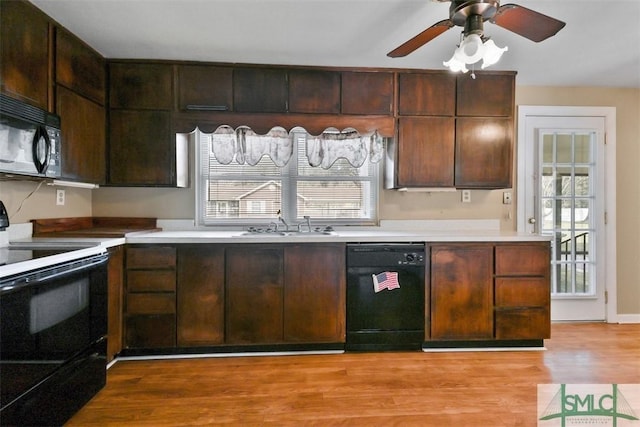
point(289, 194)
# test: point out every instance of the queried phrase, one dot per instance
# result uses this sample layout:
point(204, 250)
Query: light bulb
point(472, 48)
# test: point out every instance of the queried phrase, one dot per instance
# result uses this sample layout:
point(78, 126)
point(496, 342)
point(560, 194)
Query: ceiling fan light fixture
point(471, 49)
point(492, 53)
point(455, 64)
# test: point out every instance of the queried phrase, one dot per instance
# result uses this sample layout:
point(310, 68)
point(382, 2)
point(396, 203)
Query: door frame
point(609, 114)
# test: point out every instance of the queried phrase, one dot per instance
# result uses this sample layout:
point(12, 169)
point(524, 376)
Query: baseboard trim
point(628, 318)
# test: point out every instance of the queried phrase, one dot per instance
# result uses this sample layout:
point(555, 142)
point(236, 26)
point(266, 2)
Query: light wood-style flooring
point(368, 389)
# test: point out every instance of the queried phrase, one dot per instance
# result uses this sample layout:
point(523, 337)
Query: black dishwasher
point(385, 296)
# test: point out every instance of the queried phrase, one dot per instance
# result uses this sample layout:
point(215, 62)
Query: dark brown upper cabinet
point(312, 91)
point(488, 94)
point(426, 94)
point(79, 68)
point(205, 87)
point(367, 93)
point(426, 149)
point(24, 53)
point(141, 148)
point(260, 90)
point(83, 131)
point(141, 86)
point(483, 152)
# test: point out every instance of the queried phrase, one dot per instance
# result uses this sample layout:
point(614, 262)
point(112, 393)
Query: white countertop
point(392, 232)
point(344, 236)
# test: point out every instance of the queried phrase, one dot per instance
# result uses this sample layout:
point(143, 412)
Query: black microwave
point(29, 140)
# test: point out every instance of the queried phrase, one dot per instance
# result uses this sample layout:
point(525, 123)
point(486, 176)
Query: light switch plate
point(506, 198)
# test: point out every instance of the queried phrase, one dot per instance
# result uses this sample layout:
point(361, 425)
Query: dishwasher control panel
point(387, 255)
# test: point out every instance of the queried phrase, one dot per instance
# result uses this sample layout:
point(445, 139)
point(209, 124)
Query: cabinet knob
point(532, 220)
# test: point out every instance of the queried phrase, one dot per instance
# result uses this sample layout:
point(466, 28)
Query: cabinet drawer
point(522, 292)
point(529, 323)
point(155, 331)
point(523, 260)
point(151, 257)
point(151, 281)
point(148, 303)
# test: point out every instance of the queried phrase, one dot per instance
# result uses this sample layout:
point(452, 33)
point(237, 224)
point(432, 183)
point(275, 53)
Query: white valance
point(244, 146)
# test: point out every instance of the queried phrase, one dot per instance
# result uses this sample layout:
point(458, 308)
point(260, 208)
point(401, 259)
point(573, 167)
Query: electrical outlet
point(506, 198)
point(60, 197)
point(466, 196)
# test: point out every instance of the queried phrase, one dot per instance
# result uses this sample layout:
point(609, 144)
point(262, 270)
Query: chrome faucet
point(286, 226)
point(308, 223)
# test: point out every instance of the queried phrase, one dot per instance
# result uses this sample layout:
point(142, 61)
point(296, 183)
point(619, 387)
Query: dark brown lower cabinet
point(461, 295)
point(285, 294)
point(314, 293)
point(200, 295)
point(254, 294)
point(151, 331)
point(522, 291)
point(150, 302)
point(489, 291)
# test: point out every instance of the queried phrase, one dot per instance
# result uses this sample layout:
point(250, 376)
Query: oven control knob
point(410, 257)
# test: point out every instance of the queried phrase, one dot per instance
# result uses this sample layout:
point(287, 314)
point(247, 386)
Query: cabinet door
point(367, 93)
point(462, 292)
point(205, 87)
point(79, 68)
point(254, 292)
point(24, 52)
point(425, 152)
point(312, 91)
point(200, 295)
point(483, 152)
point(141, 148)
point(84, 141)
point(488, 94)
point(259, 90)
point(314, 293)
point(141, 86)
point(431, 94)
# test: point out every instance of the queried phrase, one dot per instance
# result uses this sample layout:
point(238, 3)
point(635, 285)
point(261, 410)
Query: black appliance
point(29, 140)
point(4, 217)
point(53, 327)
point(393, 318)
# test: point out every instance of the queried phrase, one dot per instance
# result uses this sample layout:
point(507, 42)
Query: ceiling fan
point(471, 14)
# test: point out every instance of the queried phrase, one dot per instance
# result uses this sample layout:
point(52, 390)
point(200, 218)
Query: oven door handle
point(53, 272)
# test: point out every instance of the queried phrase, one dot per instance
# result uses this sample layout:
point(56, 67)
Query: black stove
point(15, 253)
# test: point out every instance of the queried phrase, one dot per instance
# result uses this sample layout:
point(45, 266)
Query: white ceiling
point(600, 45)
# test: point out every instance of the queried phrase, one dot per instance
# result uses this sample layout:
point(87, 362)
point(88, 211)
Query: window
point(244, 178)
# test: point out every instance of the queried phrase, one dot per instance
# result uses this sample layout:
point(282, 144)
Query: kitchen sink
point(288, 233)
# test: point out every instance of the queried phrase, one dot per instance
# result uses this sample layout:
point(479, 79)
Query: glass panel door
point(567, 200)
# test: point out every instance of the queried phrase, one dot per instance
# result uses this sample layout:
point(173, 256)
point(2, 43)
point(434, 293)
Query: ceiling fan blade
point(526, 22)
point(421, 39)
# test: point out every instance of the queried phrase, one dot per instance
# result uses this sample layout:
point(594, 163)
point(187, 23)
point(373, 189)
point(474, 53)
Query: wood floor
point(368, 389)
